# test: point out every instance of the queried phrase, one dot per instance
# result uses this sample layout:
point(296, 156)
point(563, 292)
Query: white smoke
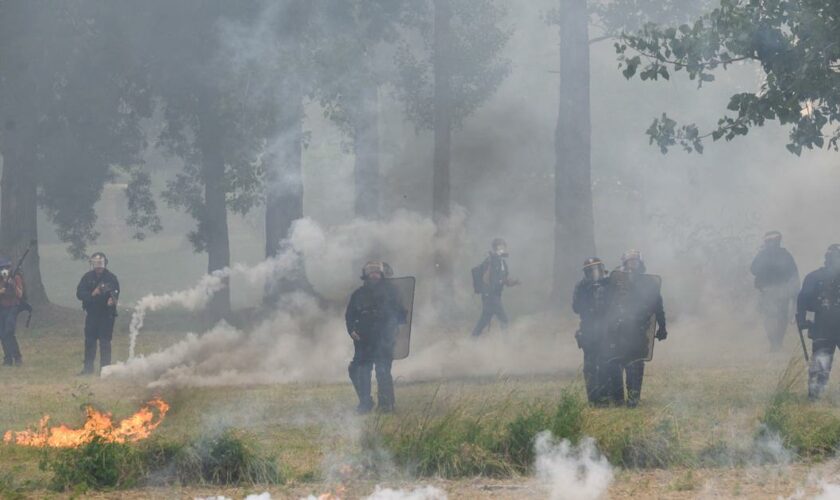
point(380, 493)
point(425, 493)
point(571, 472)
point(198, 296)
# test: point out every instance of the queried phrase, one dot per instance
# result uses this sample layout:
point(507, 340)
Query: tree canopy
point(795, 42)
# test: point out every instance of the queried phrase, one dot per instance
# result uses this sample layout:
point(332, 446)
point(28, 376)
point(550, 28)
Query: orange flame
point(98, 424)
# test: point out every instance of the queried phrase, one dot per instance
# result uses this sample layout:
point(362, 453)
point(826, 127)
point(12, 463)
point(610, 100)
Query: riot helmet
point(593, 269)
point(98, 261)
point(832, 257)
point(632, 262)
point(499, 247)
point(375, 270)
point(772, 239)
point(5, 268)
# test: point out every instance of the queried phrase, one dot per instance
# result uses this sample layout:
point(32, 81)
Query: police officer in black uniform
point(820, 294)
point(589, 301)
point(494, 278)
point(99, 291)
point(777, 280)
point(631, 305)
point(373, 316)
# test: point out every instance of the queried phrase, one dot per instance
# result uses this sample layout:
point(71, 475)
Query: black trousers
point(623, 378)
point(99, 328)
point(491, 305)
point(8, 323)
point(822, 357)
point(360, 374)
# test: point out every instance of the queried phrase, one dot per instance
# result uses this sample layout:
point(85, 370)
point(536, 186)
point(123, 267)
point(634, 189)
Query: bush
point(451, 446)
point(224, 460)
point(804, 428)
point(517, 442)
point(97, 465)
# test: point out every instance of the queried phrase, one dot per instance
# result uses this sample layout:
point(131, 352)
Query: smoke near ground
point(570, 472)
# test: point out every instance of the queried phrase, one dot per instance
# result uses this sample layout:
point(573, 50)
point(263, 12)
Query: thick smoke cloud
point(571, 472)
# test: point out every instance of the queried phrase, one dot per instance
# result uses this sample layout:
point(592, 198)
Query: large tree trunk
point(366, 147)
point(574, 231)
point(284, 201)
point(442, 154)
point(215, 222)
point(18, 218)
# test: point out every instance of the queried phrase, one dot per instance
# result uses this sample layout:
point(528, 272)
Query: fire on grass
point(97, 424)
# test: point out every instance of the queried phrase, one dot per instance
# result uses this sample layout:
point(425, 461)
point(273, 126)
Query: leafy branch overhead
point(795, 42)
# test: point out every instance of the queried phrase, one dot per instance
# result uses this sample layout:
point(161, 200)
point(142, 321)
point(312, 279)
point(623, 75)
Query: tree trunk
point(442, 154)
point(284, 201)
point(366, 147)
point(18, 218)
point(215, 222)
point(574, 230)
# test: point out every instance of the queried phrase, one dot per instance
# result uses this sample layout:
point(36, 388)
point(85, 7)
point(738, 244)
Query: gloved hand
point(661, 334)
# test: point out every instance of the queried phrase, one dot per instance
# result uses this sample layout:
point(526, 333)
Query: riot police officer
point(11, 296)
point(589, 301)
point(489, 279)
point(99, 291)
point(373, 316)
point(820, 294)
point(777, 279)
point(635, 307)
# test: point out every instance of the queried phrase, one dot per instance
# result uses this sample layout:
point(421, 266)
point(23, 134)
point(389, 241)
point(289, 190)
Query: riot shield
point(632, 314)
point(402, 340)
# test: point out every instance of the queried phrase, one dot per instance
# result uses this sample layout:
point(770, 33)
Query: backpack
point(478, 277)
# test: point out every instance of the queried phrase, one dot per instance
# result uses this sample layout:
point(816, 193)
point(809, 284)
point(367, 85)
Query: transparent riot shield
point(402, 340)
point(632, 314)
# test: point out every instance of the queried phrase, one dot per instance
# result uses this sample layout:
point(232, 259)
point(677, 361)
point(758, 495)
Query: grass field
point(700, 430)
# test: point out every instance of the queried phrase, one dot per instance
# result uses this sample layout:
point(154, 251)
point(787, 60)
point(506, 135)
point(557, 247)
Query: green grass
point(691, 416)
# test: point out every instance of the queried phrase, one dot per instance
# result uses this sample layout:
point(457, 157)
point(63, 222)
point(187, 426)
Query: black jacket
point(820, 294)
point(374, 313)
point(774, 267)
point(495, 274)
point(589, 301)
point(99, 303)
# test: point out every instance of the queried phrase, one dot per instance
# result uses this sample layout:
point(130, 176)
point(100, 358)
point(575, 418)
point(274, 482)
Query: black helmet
point(593, 269)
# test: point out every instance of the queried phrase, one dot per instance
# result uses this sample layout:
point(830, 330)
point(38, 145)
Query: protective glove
point(661, 334)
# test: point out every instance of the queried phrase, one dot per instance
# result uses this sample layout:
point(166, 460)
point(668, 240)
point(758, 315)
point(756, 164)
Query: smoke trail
point(569, 472)
point(199, 295)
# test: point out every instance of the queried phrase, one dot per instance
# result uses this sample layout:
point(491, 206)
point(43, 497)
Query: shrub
point(224, 459)
point(96, 465)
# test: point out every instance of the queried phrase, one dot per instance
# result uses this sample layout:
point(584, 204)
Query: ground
point(707, 400)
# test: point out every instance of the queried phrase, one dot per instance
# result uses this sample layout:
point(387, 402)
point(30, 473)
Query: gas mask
point(594, 269)
point(98, 262)
point(4, 274)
